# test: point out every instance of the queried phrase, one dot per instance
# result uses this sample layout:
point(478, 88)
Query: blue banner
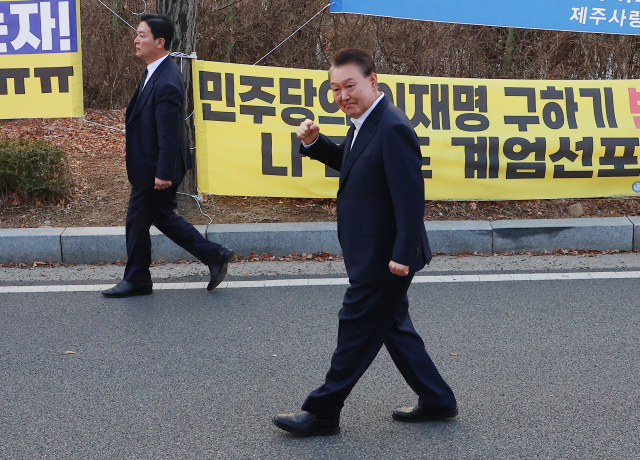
point(601, 16)
point(28, 27)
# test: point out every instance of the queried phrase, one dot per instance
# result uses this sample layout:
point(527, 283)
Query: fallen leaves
point(330, 209)
point(68, 352)
point(291, 257)
point(555, 252)
point(37, 264)
point(527, 209)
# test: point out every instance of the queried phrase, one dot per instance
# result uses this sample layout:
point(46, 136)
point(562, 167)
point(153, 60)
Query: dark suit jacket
point(157, 144)
point(381, 195)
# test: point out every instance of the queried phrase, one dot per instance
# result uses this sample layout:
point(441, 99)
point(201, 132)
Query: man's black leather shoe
point(127, 289)
point(218, 268)
point(306, 424)
point(419, 413)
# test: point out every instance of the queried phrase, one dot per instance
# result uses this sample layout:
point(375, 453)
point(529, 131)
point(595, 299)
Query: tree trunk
point(183, 13)
point(508, 55)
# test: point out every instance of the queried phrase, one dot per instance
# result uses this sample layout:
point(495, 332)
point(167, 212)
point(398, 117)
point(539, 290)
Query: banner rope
point(84, 118)
point(198, 200)
point(145, 9)
point(299, 29)
point(119, 17)
point(182, 56)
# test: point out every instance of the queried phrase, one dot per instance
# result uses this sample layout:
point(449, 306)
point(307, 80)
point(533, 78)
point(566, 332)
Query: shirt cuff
point(306, 146)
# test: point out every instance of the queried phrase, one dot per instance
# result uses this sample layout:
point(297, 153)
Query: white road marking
point(334, 281)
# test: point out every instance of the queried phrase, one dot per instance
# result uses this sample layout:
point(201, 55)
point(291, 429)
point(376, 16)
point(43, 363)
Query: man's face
point(353, 92)
point(147, 48)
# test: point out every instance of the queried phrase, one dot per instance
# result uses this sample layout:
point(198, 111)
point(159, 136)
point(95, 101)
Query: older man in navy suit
point(157, 156)
point(381, 230)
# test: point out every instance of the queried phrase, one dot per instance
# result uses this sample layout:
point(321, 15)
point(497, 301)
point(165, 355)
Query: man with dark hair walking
point(157, 156)
point(380, 205)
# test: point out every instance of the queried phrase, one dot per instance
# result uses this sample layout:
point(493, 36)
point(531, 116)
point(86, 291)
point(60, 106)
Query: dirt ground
point(102, 189)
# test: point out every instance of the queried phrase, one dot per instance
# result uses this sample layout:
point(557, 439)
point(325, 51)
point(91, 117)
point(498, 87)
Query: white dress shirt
point(358, 122)
point(153, 66)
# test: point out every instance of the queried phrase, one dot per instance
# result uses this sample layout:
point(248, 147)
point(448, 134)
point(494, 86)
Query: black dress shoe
point(218, 268)
point(306, 424)
point(419, 413)
point(127, 289)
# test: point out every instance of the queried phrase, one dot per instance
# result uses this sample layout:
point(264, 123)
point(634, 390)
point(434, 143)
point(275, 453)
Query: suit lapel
point(366, 133)
point(132, 102)
point(148, 89)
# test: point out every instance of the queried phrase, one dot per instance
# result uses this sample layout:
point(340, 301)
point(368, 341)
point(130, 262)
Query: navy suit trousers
point(373, 314)
point(148, 207)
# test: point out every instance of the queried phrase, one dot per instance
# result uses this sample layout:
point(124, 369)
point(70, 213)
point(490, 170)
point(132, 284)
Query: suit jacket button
point(339, 196)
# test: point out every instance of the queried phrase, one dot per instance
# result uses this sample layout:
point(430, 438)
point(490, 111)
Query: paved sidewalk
point(107, 244)
point(251, 270)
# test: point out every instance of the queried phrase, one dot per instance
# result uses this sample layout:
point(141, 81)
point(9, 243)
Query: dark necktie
point(144, 78)
point(348, 141)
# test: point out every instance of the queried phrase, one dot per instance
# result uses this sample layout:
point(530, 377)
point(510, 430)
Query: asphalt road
point(541, 369)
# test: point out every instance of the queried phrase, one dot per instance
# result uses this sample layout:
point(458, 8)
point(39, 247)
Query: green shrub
point(34, 169)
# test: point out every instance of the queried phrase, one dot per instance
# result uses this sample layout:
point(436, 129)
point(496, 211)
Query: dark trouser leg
point(179, 230)
point(367, 315)
point(140, 216)
point(414, 363)
point(150, 206)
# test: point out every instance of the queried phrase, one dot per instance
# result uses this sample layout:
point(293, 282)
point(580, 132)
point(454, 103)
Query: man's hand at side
point(124, 152)
point(398, 269)
point(308, 132)
point(162, 184)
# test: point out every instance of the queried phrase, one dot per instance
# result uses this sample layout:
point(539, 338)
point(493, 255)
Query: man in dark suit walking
point(157, 155)
point(381, 230)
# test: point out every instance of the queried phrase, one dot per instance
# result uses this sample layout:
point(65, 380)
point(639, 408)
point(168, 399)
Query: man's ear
point(160, 43)
point(374, 80)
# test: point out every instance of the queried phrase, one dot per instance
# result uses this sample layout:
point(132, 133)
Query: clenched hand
point(308, 131)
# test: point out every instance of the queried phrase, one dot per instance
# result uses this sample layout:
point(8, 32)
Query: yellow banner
point(40, 59)
point(481, 139)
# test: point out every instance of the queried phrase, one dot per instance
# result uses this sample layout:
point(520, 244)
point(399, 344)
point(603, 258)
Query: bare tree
point(183, 14)
point(242, 31)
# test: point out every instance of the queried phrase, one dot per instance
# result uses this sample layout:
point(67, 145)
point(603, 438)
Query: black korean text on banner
point(40, 59)
point(480, 139)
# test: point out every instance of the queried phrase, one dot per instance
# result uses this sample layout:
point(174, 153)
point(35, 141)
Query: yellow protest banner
point(40, 59)
point(481, 139)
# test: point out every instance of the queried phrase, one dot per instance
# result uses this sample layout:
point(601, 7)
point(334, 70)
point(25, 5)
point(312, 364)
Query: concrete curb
point(548, 234)
point(107, 244)
point(277, 239)
point(450, 237)
point(30, 244)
